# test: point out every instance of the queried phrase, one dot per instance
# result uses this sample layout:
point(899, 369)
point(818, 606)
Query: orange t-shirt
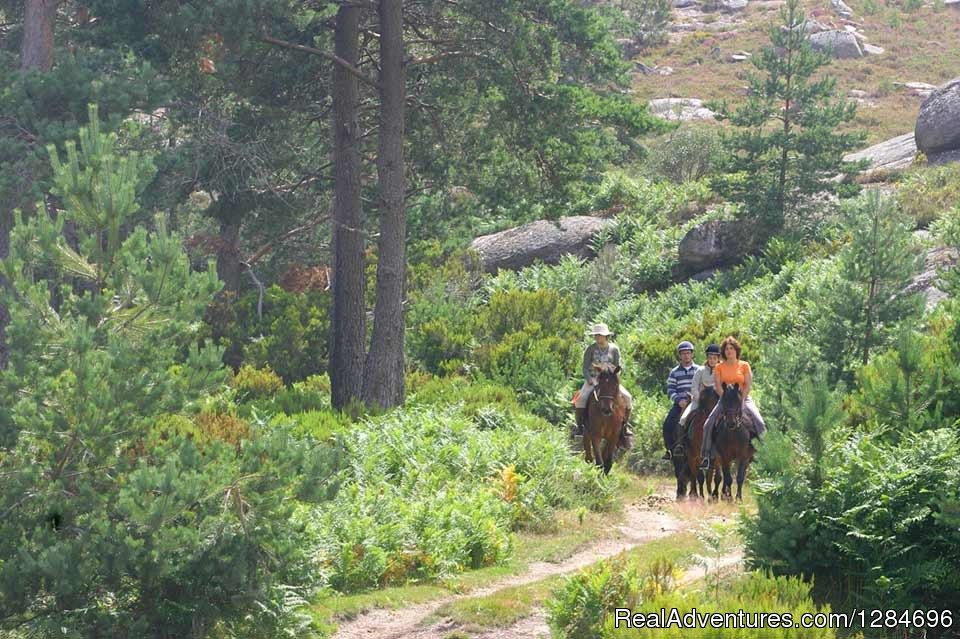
point(732, 373)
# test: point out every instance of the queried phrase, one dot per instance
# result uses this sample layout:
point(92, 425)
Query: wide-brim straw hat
point(600, 329)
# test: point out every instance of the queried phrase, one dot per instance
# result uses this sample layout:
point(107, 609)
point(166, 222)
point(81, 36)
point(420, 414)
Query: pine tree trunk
point(36, 48)
point(5, 224)
point(228, 256)
point(383, 379)
point(348, 321)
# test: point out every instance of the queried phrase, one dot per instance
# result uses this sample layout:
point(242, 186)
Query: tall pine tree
point(868, 301)
point(786, 147)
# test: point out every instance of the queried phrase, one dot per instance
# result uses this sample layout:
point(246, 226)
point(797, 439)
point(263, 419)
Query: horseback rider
point(602, 351)
point(679, 383)
point(732, 370)
point(702, 380)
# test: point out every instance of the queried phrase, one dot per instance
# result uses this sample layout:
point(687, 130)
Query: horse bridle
point(599, 397)
point(737, 423)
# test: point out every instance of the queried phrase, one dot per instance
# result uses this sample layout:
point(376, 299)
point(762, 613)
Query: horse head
point(731, 405)
point(708, 399)
point(608, 387)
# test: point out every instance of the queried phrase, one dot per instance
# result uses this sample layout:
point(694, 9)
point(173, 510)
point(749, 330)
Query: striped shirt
point(680, 381)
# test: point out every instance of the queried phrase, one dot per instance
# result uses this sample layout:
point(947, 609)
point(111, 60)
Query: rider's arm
point(587, 361)
point(695, 388)
point(672, 386)
point(717, 384)
point(747, 381)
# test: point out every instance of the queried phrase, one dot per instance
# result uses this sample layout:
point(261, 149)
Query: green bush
point(578, 609)
point(882, 529)
point(291, 338)
point(426, 492)
point(256, 383)
point(755, 592)
point(928, 193)
point(686, 154)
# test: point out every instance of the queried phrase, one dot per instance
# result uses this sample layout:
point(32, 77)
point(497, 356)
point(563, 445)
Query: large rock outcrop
point(714, 243)
point(938, 124)
point(935, 260)
point(841, 44)
point(894, 154)
point(544, 240)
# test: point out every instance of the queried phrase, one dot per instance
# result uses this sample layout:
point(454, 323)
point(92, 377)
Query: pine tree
point(817, 411)
point(786, 147)
point(121, 518)
point(868, 301)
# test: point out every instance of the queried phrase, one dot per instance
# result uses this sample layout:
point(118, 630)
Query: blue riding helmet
point(684, 346)
point(713, 349)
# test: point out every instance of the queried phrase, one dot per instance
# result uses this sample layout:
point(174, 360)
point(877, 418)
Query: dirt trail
point(640, 525)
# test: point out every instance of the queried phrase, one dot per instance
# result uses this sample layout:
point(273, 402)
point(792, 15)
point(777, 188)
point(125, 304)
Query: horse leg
point(700, 480)
point(727, 481)
point(588, 448)
point(608, 449)
point(741, 475)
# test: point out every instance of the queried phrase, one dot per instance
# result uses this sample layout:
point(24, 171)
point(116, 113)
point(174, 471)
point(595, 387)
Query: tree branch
point(323, 54)
point(266, 248)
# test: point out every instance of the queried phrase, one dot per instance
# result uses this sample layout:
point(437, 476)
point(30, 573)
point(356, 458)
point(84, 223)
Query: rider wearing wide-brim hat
point(602, 351)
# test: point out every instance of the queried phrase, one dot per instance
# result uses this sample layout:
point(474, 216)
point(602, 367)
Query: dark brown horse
point(694, 443)
point(732, 440)
point(605, 413)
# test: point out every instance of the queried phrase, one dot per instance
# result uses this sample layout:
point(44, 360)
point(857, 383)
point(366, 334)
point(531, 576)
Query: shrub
point(290, 338)
point(256, 383)
point(685, 154)
point(427, 492)
point(928, 193)
point(882, 528)
point(578, 609)
point(755, 592)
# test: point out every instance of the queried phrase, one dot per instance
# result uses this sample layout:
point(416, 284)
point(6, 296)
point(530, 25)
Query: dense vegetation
point(180, 454)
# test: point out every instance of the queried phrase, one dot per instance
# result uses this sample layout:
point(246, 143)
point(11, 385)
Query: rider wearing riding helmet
point(732, 370)
point(679, 383)
point(702, 380)
point(602, 351)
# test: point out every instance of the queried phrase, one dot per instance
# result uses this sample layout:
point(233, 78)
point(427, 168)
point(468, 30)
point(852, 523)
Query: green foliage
point(786, 147)
point(947, 227)
point(876, 532)
point(134, 521)
point(424, 493)
point(530, 341)
point(864, 306)
point(254, 383)
point(929, 193)
point(755, 592)
point(579, 609)
point(290, 338)
point(642, 22)
point(817, 411)
point(685, 154)
point(898, 388)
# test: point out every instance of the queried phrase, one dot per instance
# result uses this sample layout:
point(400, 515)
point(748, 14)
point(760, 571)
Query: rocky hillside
point(889, 55)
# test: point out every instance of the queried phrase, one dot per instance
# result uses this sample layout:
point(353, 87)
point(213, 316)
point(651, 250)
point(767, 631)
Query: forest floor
point(487, 604)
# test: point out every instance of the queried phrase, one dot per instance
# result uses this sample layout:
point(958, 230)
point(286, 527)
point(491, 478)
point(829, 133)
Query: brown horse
point(732, 440)
point(605, 413)
point(694, 443)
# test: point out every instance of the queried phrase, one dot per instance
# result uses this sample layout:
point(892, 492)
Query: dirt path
point(641, 524)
